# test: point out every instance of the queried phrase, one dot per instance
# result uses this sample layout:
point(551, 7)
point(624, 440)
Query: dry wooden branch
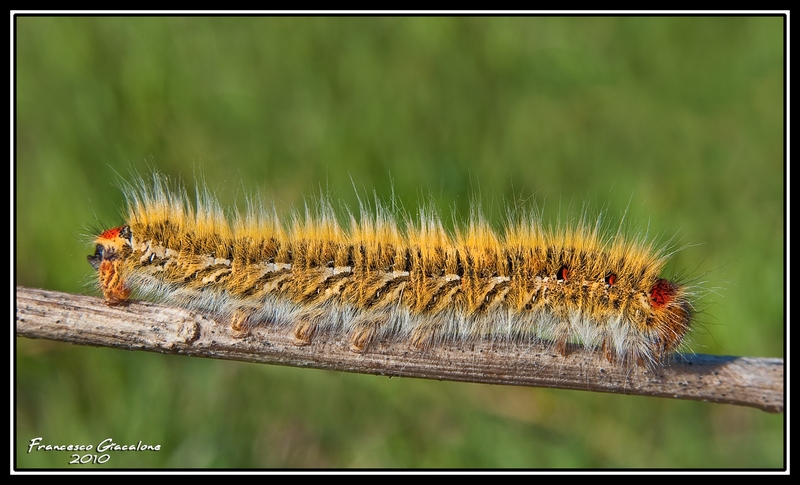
point(85, 320)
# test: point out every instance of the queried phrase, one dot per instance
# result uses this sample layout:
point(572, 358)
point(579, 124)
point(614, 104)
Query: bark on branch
point(85, 320)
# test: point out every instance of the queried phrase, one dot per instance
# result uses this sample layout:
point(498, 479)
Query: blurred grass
point(681, 118)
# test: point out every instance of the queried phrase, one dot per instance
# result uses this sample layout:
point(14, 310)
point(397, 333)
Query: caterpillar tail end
point(672, 315)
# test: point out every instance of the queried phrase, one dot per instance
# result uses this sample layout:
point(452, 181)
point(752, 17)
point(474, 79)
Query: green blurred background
point(681, 118)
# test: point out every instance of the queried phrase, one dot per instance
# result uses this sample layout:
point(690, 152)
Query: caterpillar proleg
point(385, 277)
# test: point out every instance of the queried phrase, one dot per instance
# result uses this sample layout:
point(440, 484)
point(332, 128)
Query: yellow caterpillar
point(381, 278)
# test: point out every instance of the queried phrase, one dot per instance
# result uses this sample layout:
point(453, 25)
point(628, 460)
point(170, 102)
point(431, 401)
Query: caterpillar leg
point(607, 352)
point(114, 289)
point(362, 336)
point(304, 333)
point(422, 338)
point(307, 325)
point(240, 321)
point(366, 329)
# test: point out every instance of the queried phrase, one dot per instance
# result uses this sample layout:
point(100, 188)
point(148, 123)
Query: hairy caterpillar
point(389, 277)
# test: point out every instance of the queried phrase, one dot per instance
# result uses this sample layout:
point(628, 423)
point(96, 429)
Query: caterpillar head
point(111, 248)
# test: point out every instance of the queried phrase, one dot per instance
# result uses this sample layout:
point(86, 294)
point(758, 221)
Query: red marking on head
point(611, 279)
point(112, 233)
point(662, 293)
point(562, 273)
